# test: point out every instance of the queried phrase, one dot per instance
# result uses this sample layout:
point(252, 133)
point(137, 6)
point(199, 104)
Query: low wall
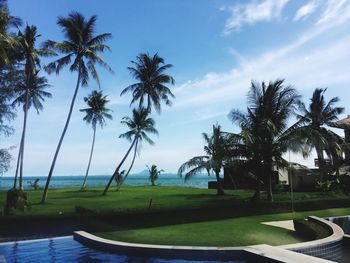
point(327, 248)
point(259, 253)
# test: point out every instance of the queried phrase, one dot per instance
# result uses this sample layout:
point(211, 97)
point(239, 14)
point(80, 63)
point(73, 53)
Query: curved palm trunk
point(18, 162)
point(131, 165)
point(23, 140)
point(220, 189)
point(44, 197)
point(118, 167)
point(91, 152)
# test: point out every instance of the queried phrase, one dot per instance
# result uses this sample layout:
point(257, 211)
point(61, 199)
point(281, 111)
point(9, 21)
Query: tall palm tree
point(265, 127)
point(140, 125)
point(154, 173)
point(214, 160)
point(7, 41)
point(152, 82)
point(82, 47)
point(28, 97)
point(95, 114)
point(316, 119)
point(31, 56)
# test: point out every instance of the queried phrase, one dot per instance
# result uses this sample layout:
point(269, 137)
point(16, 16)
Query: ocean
point(75, 181)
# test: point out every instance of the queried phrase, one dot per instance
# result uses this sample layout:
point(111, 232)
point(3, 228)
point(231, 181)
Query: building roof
point(343, 123)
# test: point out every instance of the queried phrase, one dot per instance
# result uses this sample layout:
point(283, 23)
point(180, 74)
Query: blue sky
point(216, 47)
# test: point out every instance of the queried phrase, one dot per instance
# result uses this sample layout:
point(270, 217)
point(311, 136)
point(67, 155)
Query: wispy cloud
point(306, 10)
point(253, 12)
point(324, 65)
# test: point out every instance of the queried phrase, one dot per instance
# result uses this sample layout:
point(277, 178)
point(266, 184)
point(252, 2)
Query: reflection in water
point(344, 223)
point(67, 250)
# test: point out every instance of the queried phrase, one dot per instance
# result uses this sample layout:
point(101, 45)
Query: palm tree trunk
point(18, 162)
point(321, 164)
point(91, 152)
point(118, 167)
point(220, 190)
point(131, 165)
point(23, 139)
point(269, 172)
point(44, 197)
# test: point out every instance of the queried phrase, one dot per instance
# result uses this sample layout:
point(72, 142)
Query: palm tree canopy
point(153, 81)
point(154, 172)
point(7, 41)
point(214, 159)
point(36, 93)
point(139, 126)
point(81, 46)
point(316, 118)
point(265, 134)
point(97, 112)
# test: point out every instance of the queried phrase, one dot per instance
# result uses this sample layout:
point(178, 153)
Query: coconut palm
point(152, 82)
point(265, 130)
point(140, 125)
point(82, 48)
point(154, 173)
point(316, 119)
point(214, 160)
point(95, 114)
point(32, 83)
point(7, 41)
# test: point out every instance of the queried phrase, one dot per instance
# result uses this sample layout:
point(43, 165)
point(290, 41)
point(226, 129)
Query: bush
point(310, 230)
point(82, 210)
point(16, 199)
point(328, 185)
point(280, 187)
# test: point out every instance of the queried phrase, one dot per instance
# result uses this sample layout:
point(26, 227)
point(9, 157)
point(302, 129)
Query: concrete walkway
point(287, 224)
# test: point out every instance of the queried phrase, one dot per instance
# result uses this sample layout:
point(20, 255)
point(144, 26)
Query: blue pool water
point(66, 249)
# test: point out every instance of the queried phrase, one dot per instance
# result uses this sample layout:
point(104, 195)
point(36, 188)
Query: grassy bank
point(182, 216)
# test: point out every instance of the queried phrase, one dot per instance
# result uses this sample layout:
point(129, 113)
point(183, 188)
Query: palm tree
point(140, 125)
point(265, 128)
point(34, 96)
point(31, 56)
point(154, 173)
point(7, 41)
point(315, 119)
point(214, 160)
point(83, 47)
point(96, 113)
point(152, 82)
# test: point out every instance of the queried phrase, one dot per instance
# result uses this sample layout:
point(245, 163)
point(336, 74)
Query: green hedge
point(310, 230)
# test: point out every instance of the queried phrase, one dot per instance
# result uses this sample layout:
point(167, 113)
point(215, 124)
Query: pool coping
point(258, 252)
point(336, 236)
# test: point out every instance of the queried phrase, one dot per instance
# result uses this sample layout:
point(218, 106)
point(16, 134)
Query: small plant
point(16, 199)
point(328, 185)
point(279, 187)
point(34, 184)
point(153, 173)
point(119, 178)
point(81, 210)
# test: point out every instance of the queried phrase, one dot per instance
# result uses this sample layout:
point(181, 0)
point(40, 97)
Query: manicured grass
point(178, 215)
point(240, 231)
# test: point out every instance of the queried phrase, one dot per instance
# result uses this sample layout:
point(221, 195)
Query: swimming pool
point(66, 249)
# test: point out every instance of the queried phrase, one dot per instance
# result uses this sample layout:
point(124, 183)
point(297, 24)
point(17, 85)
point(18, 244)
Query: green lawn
point(178, 215)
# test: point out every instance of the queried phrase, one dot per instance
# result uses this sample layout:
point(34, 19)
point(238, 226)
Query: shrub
point(16, 199)
point(310, 230)
point(82, 210)
point(328, 185)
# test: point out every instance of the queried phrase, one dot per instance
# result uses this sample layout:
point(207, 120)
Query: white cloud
point(337, 11)
point(306, 10)
point(253, 12)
